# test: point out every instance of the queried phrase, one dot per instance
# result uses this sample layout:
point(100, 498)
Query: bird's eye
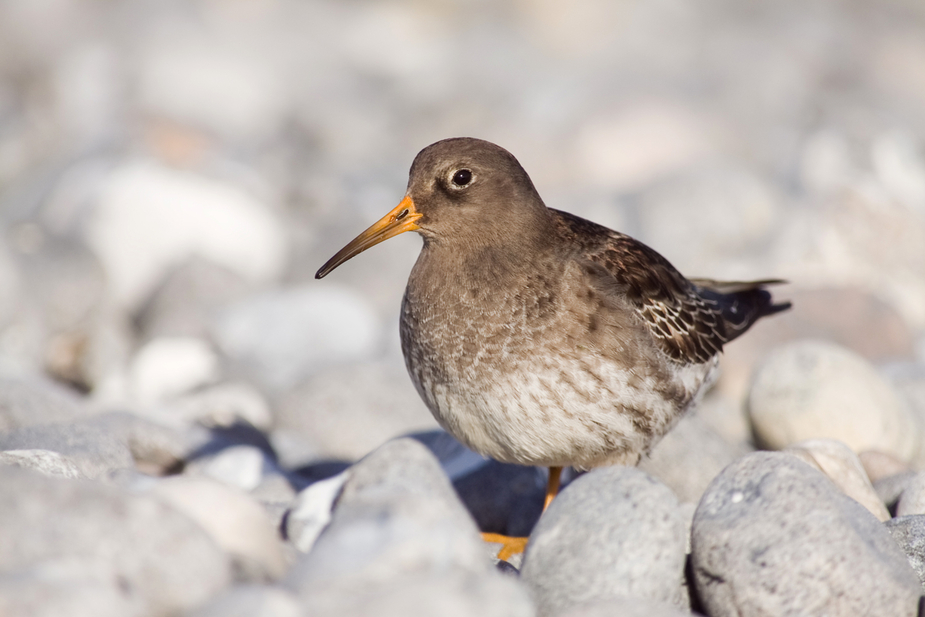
point(462, 178)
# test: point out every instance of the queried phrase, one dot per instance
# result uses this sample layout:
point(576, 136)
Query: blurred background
point(172, 174)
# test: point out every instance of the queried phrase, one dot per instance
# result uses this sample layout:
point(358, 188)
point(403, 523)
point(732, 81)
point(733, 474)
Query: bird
point(537, 337)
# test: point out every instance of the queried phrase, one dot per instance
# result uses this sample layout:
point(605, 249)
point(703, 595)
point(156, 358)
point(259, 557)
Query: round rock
point(810, 389)
point(132, 543)
point(612, 532)
point(773, 536)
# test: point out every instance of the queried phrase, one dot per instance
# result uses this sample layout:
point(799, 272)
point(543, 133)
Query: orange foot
point(509, 545)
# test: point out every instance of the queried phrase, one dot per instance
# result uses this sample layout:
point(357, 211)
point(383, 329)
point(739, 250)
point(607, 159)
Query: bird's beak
point(401, 219)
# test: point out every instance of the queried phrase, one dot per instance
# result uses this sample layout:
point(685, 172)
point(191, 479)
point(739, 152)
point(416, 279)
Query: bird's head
point(460, 191)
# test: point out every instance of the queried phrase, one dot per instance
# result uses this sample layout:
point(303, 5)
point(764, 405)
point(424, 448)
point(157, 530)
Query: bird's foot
point(509, 545)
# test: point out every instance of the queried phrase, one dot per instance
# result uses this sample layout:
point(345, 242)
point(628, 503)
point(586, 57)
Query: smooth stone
point(311, 511)
point(502, 498)
point(814, 389)
point(233, 519)
point(827, 313)
point(187, 297)
point(401, 543)
point(688, 457)
point(45, 462)
point(166, 367)
point(909, 533)
point(452, 593)
point(223, 404)
point(251, 601)
point(281, 337)
point(774, 536)
point(625, 607)
point(157, 449)
point(891, 488)
point(243, 466)
point(149, 217)
point(29, 401)
point(68, 587)
point(613, 532)
point(97, 528)
point(880, 465)
point(843, 467)
point(346, 412)
point(912, 499)
point(95, 450)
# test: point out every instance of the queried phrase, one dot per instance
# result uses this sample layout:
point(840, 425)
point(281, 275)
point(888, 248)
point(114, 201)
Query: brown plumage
point(538, 337)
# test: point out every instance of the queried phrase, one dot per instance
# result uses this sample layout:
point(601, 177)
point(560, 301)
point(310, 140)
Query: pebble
point(398, 539)
point(93, 449)
point(842, 466)
point(57, 533)
point(242, 466)
point(167, 367)
point(912, 499)
point(188, 296)
point(283, 336)
point(331, 410)
point(27, 401)
point(625, 607)
point(237, 523)
point(613, 532)
point(251, 600)
point(45, 462)
point(150, 217)
point(909, 533)
point(810, 389)
point(311, 511)
point(688, 457)
point(774, 536)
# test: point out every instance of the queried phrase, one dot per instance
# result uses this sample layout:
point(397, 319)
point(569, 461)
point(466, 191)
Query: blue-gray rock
point(399, 540)
point(58, 534)
point(612, 532)
point(773, 536)
point(251, 601)
point(909, 533)
point(29, 401)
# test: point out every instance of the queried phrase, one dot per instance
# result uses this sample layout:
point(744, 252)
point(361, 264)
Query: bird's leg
point(511, 545)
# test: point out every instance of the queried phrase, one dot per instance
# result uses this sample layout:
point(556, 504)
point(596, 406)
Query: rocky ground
point(191, 425)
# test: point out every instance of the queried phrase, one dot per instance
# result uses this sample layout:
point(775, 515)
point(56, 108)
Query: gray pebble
point(912, 499)
point(612, 532)
point(251, 601)
point(688, 457)
point(36, 400)
point(773, 536)
point(94, 449)
point(398, 523)
point(45, 462)
point(72, 529)
point(890, 488)
point(625, 607)
point(909, 533)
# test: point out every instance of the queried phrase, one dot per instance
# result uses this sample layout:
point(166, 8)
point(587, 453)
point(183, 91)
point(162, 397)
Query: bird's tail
point(741, 303)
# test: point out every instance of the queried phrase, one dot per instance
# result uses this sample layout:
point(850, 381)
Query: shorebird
point(540, 338)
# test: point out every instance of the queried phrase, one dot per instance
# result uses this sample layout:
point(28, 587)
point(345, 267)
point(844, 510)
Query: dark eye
point(462, 177)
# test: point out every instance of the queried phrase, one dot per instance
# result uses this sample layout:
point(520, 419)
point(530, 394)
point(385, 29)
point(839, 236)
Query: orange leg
point(511, 545)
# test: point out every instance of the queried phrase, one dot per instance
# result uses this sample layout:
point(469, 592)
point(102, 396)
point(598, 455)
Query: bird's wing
point(688, 325)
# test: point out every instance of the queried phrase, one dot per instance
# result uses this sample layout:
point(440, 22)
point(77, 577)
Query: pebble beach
point(192, 426)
